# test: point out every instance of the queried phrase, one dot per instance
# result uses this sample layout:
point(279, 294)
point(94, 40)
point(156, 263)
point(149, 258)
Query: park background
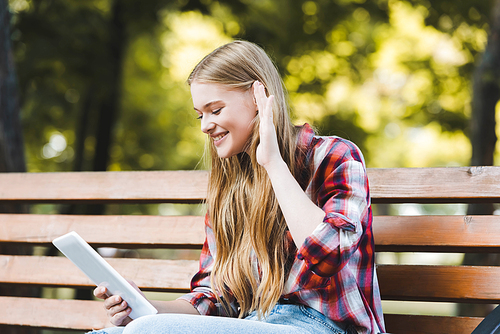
point(101, 85)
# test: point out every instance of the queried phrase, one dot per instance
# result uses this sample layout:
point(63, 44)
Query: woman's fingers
point(101, 292)
point(112, 302)
point(121, 318)
point(118, 314)
point(118, 310)
point(269, 107)
point(268, 150)
point(263, 102)
point(265, 107)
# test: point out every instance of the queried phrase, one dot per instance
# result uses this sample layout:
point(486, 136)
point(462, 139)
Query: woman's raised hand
point(268, 150)
point(116, 308)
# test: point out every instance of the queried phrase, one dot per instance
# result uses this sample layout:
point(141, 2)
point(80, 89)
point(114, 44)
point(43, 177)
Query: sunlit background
point(397, 86)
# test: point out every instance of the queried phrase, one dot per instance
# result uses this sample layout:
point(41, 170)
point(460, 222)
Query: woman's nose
point(207, 125)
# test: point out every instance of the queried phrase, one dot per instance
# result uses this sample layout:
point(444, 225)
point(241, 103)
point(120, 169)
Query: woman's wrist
point(174, 306)
point(276, 167)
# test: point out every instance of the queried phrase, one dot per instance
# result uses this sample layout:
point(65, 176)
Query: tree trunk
point(103, 94)
point(11, 143)
point(486, 94)
point(110, 104)
point(112, 85)
point(11, 147)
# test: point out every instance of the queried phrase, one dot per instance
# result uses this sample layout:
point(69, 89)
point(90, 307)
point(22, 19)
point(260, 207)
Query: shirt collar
point(305, 136)
point(303, 155)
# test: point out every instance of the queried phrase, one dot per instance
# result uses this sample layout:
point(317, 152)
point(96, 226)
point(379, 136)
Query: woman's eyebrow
point(209, 104)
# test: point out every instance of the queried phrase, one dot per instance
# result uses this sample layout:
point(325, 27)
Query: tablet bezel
point(101, 272)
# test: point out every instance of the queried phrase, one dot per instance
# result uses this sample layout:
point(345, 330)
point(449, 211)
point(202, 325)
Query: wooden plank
point(393, 185)
point(459, 234)
point(397, 282)
point(51, 313)
point(422, 233)
point(424, 324)
point(154, 275)
point(105, 187)
point(436, 185)
point(467, 284)
point(113, 231)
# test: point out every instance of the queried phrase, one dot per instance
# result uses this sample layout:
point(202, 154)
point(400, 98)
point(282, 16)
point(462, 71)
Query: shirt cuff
point(201, 301)
point(321, 250)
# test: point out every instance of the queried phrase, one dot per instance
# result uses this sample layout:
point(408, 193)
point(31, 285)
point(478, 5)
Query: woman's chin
point(224, 154)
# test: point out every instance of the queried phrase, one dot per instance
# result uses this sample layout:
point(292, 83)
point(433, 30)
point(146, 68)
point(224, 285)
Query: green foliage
point(392, 76)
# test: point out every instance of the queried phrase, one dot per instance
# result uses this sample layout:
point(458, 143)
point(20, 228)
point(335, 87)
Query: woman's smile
point(219, 138)
point(226, 115)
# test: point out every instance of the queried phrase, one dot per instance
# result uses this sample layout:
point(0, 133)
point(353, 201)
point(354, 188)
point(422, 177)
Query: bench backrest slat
point(105, 187)
point(38, 312)
point(148, 274)
point(434, 185)
point(430, 233)
point(119, 231)
point(466, 284)
point(459, 234)
point(447, 185)
point(422, 283)
point(420, 324)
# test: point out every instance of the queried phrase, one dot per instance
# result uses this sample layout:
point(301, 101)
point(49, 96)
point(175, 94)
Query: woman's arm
point(175, 306)
point(296, 206)
point(328, 229)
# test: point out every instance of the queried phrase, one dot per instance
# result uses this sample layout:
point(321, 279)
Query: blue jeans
point(284, 318)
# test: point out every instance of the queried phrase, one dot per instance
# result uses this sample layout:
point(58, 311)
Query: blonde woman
point(289, 244)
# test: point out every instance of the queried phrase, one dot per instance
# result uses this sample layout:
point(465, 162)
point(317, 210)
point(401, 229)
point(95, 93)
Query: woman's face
point(226, 115)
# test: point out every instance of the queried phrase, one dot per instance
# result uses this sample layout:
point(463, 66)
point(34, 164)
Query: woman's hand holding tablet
point(102, 274)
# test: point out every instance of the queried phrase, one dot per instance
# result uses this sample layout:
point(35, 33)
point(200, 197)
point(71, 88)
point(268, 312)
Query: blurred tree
point(72, 76)
point(486, 95)
point(110, 87)
point(112, 81)
point(11, 141)
point(486, 89)
point(11, 146)
point(331, 55)
point(353, 59)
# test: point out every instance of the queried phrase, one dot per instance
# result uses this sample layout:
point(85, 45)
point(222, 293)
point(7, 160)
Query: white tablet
point(101, 273)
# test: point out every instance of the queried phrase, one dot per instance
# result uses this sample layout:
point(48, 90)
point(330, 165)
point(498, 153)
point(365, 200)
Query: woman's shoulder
point(328, 147)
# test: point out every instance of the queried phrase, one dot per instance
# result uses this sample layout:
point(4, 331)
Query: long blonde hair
point(243, 210)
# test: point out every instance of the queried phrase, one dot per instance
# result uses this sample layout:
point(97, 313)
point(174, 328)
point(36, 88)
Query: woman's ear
point(253, 92)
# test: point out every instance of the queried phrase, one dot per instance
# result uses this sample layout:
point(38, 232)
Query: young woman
point(289, 244)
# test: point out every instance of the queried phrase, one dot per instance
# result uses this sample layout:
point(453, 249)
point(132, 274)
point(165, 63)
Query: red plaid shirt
point(333, 271)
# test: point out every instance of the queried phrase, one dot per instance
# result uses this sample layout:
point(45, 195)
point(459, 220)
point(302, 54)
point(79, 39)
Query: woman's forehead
point(204, 93)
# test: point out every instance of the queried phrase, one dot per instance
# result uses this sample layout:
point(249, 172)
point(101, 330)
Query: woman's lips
point(219, 138)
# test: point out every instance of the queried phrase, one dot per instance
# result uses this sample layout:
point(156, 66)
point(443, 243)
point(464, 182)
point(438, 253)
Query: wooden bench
point(398, 282)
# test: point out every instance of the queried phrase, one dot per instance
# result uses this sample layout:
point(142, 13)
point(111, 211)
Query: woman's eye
point(215, 112)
